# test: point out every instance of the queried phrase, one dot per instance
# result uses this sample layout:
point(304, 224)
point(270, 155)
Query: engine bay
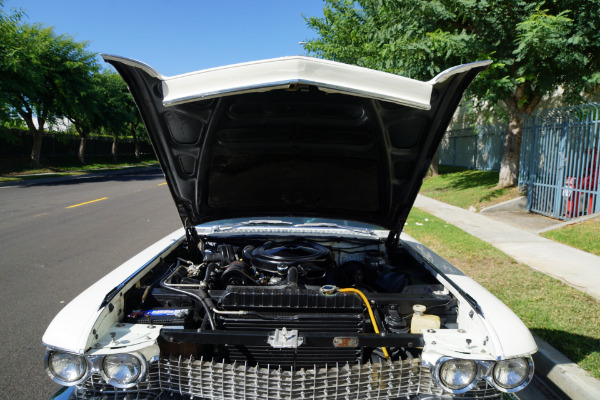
point(280, 301)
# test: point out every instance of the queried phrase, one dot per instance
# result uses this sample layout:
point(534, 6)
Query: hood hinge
point(392, 240)
point(193, 241)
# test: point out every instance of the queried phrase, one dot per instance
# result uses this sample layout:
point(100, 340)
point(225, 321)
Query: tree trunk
point(136, 150)
point(509, 167)
point(37, 133)
point(81, 152)
point(36, 150)
point(136, 145)
point(113, 150)
point(433, 169)
point(517, 105)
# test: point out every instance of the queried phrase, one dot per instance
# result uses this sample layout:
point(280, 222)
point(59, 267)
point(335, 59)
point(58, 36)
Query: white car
point(291, 277)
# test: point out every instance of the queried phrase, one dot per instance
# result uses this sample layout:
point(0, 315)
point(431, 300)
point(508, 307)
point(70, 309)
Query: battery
point(160, 316)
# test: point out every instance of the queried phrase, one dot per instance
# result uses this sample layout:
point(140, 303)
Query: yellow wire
point(373, 321)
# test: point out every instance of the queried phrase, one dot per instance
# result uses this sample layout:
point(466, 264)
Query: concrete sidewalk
point(572, 266)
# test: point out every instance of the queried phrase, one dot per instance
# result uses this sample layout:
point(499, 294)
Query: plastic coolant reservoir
point(422, 321)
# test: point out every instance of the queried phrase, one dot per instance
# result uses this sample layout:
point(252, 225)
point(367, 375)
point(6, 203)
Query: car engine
point(311, 289)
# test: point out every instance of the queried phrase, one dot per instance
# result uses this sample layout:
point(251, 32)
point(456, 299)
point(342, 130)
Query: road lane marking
point(39, 215)
point(160, 184)
point(87, 202)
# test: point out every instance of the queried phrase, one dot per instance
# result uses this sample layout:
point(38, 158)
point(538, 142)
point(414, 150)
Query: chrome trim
point(140, 377)
point(435, 373)
point(86, 374)
point(215, 380)
point(94, 366)
point(134, 63)
point(490, 377)
point(445, 75)
point(485, 371)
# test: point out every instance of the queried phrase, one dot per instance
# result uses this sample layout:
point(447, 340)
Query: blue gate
point(559, 163)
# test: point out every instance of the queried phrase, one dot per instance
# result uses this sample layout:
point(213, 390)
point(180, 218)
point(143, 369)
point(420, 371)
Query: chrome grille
point(212, 380)
point(224, 381)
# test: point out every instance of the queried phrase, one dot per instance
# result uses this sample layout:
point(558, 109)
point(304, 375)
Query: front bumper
point(75, 394)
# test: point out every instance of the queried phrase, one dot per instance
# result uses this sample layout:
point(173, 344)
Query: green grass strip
point(564, 317)
point(466, 188)
point(584, 236)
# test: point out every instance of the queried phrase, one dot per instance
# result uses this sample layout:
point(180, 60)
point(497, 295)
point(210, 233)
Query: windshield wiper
point(364, 231)
point(254, 222)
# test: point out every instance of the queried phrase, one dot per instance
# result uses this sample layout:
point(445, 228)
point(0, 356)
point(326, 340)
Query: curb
point(518, 204)
point(570, 222)
point(87, 175)
point(565, 377)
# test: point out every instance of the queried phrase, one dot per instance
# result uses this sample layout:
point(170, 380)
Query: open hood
point(295, 136)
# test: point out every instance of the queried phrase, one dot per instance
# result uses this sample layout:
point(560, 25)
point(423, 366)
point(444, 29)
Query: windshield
point(291, 221)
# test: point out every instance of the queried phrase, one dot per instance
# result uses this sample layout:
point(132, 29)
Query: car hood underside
point(295, 136)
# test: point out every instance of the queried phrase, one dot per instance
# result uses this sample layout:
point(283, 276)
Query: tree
point(105, 103)
point(129, 118)
point(134, 123)
point(5, 20)
point(41, 74)
point(85, 111)
point(537, 48)
point(119, 113)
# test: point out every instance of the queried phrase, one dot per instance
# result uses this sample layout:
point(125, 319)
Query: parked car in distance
point(291, 277)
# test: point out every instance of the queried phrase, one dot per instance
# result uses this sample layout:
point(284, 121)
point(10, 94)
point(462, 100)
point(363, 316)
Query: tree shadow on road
point(137, 174)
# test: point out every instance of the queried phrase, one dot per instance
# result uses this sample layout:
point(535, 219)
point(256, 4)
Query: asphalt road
point(56, 239)
point(50, 253)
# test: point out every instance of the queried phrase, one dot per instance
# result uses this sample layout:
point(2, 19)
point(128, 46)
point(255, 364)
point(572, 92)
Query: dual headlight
point(120, 370)
point(459, 375)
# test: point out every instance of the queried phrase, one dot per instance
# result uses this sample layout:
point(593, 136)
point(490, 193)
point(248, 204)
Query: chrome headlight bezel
point(522, 384)
point(143, 366)
point(94, 365)
point(485, 370)
point(440, 382)
point(51, 373)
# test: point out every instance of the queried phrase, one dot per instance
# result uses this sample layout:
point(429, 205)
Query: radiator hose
point(371, 315)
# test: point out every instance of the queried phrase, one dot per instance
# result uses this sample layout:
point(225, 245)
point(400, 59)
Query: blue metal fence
point(473, 148)
point(559, 163)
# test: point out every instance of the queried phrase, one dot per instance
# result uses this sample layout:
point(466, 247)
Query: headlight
point(65, 368)
point(512, 375)
point(457, 375)
point(123, 370)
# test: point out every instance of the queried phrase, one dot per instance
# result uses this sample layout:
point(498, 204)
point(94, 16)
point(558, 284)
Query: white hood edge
point(72, 328)
point(509, 336)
